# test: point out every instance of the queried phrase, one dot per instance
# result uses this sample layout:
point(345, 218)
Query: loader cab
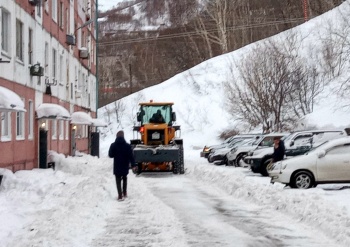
point(149, 114)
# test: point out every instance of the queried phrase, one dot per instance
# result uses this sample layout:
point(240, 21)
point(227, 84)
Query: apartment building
point(48, 81)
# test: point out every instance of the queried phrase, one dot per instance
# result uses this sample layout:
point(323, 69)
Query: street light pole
point(305, 10)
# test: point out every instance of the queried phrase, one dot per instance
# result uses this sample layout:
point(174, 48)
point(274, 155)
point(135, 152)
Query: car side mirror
point(173, 116)
point(321, 154)
point(291, 143)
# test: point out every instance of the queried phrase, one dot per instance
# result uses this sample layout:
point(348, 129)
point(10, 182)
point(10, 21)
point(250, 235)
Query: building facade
point(48, 59)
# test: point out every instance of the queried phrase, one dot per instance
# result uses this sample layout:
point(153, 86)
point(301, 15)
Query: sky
point(104, 5)
point(75, 204)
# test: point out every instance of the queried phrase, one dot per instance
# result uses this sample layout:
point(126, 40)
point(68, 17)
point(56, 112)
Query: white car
point(219, 156)
point(328, 163)
point(236, 156)
point(297, 143)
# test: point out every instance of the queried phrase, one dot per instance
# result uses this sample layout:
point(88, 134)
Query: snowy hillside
point(199, 94)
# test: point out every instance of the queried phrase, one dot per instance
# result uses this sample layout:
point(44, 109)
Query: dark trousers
point(119, 184)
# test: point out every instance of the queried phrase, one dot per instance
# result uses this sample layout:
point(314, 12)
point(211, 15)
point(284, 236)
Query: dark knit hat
point(120, 133)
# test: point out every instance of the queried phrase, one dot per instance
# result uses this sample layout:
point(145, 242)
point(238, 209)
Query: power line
point(196, 33)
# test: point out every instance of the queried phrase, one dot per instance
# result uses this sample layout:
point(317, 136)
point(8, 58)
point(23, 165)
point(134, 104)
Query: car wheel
point(302, 180)
point(230, 162)
point(239, 159)
point(209, 159)
point(226, 162)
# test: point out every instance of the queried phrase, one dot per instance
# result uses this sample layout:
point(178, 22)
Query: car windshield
point(148, 111)
point(247, 142)
point(235, 143)
point(228, 140)
point(257, 141)
point(316, 147)
point(287, 137)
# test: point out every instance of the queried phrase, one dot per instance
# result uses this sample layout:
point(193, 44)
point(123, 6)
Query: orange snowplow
point(157, 146)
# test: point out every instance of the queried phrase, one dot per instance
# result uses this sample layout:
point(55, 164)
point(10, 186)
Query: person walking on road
point(123, 157)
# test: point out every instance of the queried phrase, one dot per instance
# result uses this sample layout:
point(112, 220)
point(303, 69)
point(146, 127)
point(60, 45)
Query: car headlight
point(206, 149)
point(279, 165)
point(283, 165)
point(273, 166)
point(233, 150)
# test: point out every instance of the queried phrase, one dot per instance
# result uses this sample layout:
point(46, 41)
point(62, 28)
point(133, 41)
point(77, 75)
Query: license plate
point(155, 135)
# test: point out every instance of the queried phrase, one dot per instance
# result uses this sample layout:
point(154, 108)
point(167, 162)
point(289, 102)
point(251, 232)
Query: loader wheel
point(180, 163)
point(175, 167)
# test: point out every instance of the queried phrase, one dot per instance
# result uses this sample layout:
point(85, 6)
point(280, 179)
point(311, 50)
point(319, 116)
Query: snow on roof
point(80, 117)
point(10, 101)
point(98, 123)
point(48, 110)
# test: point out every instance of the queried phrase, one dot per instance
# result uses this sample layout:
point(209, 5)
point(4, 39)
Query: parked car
point(219, 156)
point(328, 163)
point(236, 156)
point(207, 149)
point(297, 143)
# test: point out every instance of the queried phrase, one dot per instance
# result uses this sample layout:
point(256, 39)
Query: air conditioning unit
point(34, 2)
point(78, 93)
point(36, 70)
point(83, 53)
point(70, 39)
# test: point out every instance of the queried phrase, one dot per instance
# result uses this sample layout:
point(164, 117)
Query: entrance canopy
point(52, 111)
point(98, 123)
point(10, 101)
point(80, 117)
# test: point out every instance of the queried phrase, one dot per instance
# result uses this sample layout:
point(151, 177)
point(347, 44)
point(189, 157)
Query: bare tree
point(335, 55)
point(273, 88)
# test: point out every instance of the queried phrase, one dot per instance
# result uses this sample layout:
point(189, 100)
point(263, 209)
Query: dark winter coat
point(123, 156)
point(278, 153)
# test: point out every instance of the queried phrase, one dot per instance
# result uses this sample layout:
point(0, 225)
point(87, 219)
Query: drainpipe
point(96, 54)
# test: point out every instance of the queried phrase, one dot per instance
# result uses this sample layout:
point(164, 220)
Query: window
point(303, 140)
point(60, 75)
point(30, 46)
point(5, 31)
point(30, 120)
point(54, 129)
point(38, 10)
point(71, 90)
point(19, 40)
point(67, 21)
point(46, 58)
point(54, 10)
point(47, 6)
point(83, 40)
point(54, 73)
point(339, 150)
point(5, 126)
point(79, 132)
point(19, 125)
point(61, 129)
point(61, 16)
point(67, 130)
